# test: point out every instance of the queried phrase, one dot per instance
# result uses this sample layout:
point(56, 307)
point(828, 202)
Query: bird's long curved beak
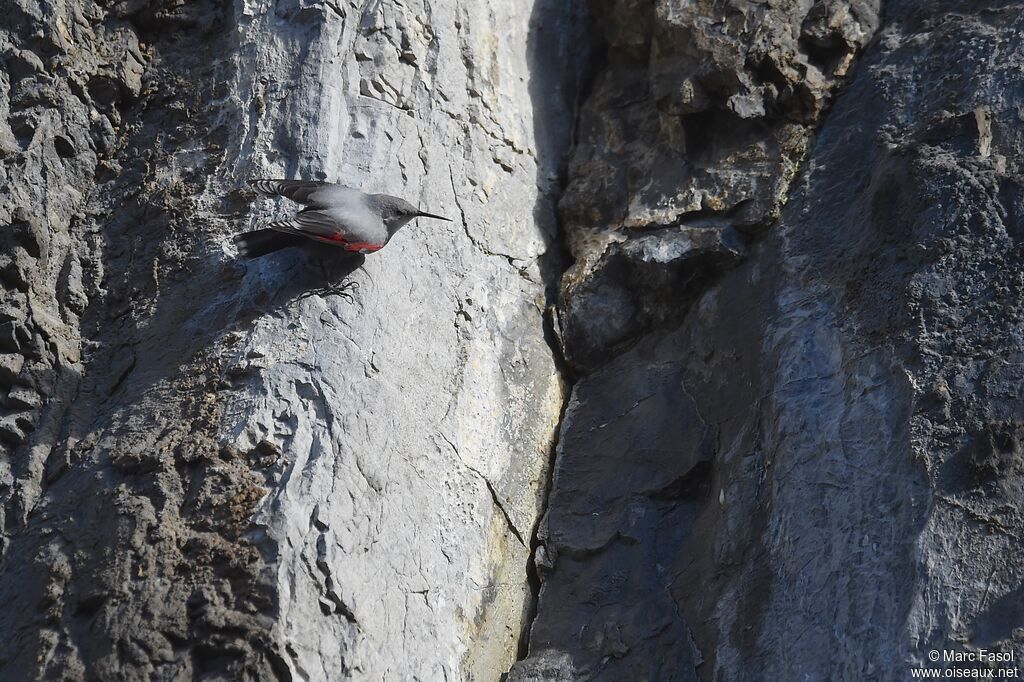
point(421, 214)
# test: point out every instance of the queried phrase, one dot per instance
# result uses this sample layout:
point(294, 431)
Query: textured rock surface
point(817, 473)
point(208, 474)
point(794, 444)
point(65, 80)
point(421, 417)
point(699, 117)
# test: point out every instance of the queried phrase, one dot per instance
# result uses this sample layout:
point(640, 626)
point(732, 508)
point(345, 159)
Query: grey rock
point(10, 368)
point(20, 396)
point(637, 284)
point(12, 336)
point(840, 411)
point(702, 113)
point(793, 444)
point(15, 427)
point(224, 478)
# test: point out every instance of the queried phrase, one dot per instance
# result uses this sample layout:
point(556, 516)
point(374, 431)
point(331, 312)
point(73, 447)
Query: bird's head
point(397, 212)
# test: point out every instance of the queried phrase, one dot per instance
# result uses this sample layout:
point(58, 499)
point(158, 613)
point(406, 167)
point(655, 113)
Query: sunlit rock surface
point(209, 473)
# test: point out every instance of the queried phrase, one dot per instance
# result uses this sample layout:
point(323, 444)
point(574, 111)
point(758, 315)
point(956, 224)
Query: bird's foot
point(345, 290)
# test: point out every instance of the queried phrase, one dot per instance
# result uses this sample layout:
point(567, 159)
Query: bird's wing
point(309, 192)
point(356, 221)
point(339, 225)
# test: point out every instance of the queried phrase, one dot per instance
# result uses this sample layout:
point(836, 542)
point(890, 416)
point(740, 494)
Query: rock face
point(417, 421)
point(815, 474)
point(699, 118)
point(207, 473)
point(783, 372)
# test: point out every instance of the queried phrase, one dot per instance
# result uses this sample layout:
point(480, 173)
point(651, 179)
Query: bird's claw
point(335, 290)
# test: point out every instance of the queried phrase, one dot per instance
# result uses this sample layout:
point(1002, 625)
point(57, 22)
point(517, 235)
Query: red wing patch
point(352, 247)
point(363, 246)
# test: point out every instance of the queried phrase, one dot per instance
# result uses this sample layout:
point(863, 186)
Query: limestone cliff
point(715, 374)
point(208, 472)
point(803, 457)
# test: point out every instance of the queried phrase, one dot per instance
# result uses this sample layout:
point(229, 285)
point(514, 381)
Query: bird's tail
point(261, 242)
point(267, 187)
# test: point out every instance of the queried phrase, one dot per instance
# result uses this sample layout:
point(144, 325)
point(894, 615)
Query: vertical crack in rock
point(845, 388)
point(172, 416)
point(388, 424)
point(551, 23)
point(156, 510)
point(699, 117)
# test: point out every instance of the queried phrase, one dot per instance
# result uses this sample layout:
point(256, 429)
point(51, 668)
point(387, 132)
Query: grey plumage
point(333, 214)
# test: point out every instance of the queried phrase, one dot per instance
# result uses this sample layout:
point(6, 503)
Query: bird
point(352, 220)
